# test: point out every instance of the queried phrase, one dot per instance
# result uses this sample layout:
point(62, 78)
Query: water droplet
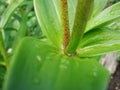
point(94, 74)
point(96, 22)
point(62, 47)
point(67, 62)
point(47, 58)
point(77, 64)
point(38, 58)
point(37, 46)
point(63, 67)
point(44, 39)
point(36, 81)
point(112, 13)
point(9, 50)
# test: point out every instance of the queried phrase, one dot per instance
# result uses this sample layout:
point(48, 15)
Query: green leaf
point(2, 74)
point(2, 50)
point(21, 33)
point(1, 60)
point(98, 6)
point(8, 11)
point(80, 22)
point(72, 4)
point(98, 42)
point(107, 16)
point(48, 14)
point(37, 65)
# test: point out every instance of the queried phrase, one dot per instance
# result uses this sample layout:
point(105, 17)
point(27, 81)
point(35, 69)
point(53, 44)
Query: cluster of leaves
point(115, 25)
point(22, 18)
point(114, 1)
point(18, 20)
point(40, 60)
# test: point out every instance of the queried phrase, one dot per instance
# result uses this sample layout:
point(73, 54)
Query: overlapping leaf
point(48, 14)
point(72, 9)
point(1, 50)
point(9, 10)
point(99, 41)
point(98, 6)
point(105, 17)
point(44, 67)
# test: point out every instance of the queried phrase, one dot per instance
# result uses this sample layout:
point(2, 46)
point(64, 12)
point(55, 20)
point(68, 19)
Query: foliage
point(44, 62)
point(114, 1)
point(2, 73)
point(46, 68)
point(18, 21)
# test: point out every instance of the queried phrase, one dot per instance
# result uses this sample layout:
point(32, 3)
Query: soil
point(115, 80)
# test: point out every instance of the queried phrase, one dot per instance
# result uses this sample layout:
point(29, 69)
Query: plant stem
point(83, 11)
point(65, 22)
point(2, 49)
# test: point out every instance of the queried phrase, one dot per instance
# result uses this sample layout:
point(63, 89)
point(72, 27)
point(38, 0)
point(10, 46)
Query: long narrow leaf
point(21, 33)
point(2, 49)
point(98, 42)
point(48, 15)
point(38, 65)
point(81, 19)
point(105, 17)
point(98, 6)
point(8, 11)
point(72, 4)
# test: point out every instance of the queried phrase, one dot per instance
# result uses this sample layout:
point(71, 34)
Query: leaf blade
point(80, 22)
point(98, 42)
point(49, 21)
point(43, 67)
point(9, 10)
point(107, 16)
point(98, 6)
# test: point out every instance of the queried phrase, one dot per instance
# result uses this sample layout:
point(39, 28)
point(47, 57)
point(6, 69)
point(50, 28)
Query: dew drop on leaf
point(36, 81)
point(63, 67)
point(9, 50)
point(94, 74)
point(96, 22)
point(38, 58)
point(47, 58)
point(67, 62)
point(111, 13)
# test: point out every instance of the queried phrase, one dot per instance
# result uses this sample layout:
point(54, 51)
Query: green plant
point(114, 1)
point(17, 20)
point(76, 31)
